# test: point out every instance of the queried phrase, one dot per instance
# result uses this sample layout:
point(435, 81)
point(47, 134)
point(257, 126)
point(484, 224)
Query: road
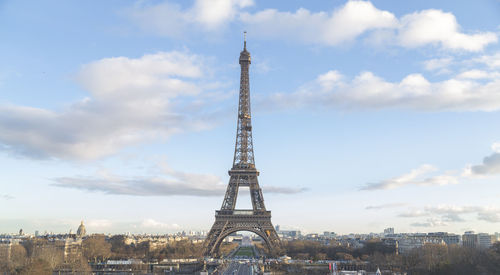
point(238, 268)
point(242, 261)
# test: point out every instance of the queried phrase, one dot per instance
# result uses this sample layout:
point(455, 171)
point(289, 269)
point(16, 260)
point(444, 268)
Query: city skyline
point(367, 114)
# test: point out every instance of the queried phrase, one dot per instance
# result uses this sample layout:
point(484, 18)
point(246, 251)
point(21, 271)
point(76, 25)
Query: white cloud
point(343, 24)
point(98, 224)
point(214, 13)
point(170, 19)
point(438, 64)
point(153, 224)
point(422, 28)
point(479, 74)
point(368, 91)
point(430, 223)
point(414, 177)
point(495, 147)
point(492, 61)
point(489, 166)
point(131, 100)
point(440, 28)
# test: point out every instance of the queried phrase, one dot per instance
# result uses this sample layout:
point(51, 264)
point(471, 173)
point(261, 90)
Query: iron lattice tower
point(243, 174)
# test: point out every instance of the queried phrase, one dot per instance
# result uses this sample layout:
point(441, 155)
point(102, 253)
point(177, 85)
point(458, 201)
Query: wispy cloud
point(443, 215)
point(187, 184)
point(169, 183)
point(429, 223)
point(492, 61)
point(6, 197)
point(154, 224)
point(283, 190)
point(414, 177)
point(384, 206)
point(439, 65)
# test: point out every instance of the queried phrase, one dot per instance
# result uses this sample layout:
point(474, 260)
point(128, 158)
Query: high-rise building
point(389, 231)
point(470, 239)
point(485, 240)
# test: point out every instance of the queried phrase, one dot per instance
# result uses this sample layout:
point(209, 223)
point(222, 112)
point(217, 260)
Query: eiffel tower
point(228, 219)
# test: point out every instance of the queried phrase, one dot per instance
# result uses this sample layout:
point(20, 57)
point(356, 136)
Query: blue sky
point(366, 115)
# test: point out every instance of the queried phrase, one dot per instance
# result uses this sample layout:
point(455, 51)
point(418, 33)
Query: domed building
point(81, 230)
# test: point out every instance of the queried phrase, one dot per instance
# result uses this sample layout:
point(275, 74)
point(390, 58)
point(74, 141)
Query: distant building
point(480, 240)
point(448, 238)
point(485, 240)
point(389, 231)
point(289, 234)
point(81, 230)
point(405, 245)
point(329, 235)
point(277, 228)
point(470, 239)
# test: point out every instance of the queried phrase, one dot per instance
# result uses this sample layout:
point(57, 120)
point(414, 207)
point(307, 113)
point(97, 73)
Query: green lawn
point(245, 252)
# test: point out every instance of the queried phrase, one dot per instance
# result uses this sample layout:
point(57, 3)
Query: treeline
point(428, 259)
point(311, 250)
point(41, 256)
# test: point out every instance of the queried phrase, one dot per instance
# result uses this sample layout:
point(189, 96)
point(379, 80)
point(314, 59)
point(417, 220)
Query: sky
point(366, 114)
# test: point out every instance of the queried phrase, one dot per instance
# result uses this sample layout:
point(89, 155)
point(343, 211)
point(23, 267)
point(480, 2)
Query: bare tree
point(96, 248)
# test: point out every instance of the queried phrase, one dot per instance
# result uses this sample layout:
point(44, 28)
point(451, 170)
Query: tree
point(51, 254)
point(79, 265)
point(96, 248)
point(36, 266)
point(491, 259)
point(18, 256)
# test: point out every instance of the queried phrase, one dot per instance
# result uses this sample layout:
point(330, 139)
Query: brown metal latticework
point(229, 220)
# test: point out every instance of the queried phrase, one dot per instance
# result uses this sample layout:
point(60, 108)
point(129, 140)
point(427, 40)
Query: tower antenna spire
point(244, 40)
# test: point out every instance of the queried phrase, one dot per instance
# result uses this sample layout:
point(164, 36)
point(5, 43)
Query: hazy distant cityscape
point(178, 253)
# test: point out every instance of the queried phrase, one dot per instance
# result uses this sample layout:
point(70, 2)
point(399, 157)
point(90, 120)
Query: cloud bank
point(131, 100)
point(414, 92)
point(330, 28)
